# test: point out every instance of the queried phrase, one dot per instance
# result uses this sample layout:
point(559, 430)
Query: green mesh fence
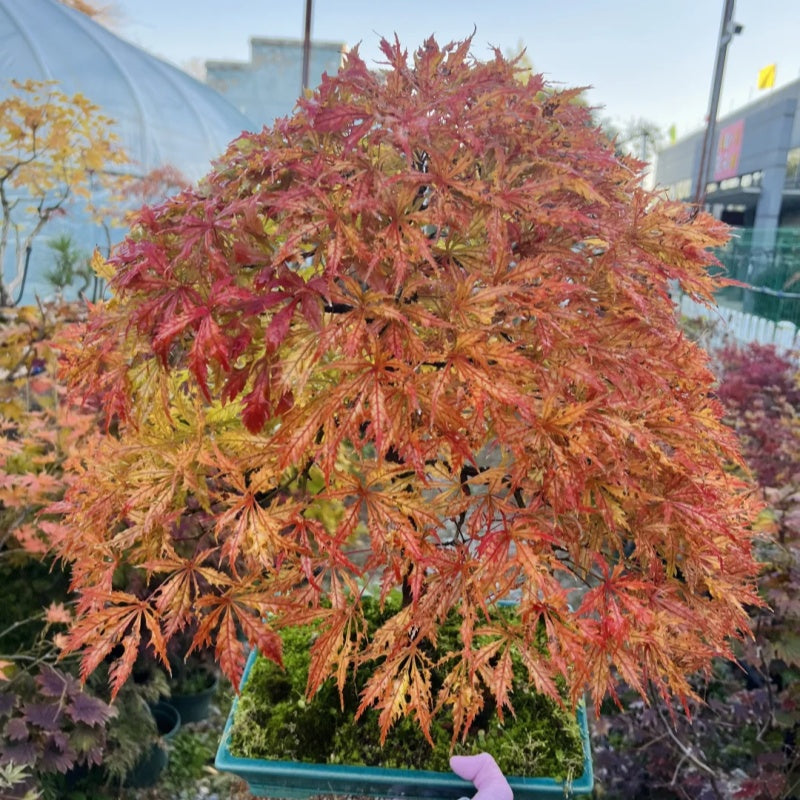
point(771, 269)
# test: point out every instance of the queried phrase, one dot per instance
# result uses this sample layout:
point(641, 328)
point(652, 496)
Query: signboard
point(729, 146)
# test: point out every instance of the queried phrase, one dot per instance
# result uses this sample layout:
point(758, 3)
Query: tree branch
point(686, 750)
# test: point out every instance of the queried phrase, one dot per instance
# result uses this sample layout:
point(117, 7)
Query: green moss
point(274, 721)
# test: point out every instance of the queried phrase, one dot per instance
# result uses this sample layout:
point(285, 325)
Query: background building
point(755, 186)
point(268, 86)
point(755, 164)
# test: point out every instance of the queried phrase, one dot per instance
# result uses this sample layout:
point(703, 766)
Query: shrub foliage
point(50, 724)
point(741, 740)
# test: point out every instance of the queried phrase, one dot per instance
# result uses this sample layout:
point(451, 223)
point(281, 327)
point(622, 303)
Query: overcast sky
point(643, 58)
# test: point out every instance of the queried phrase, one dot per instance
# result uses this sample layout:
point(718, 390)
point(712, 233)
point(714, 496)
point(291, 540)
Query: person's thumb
point(483, 771)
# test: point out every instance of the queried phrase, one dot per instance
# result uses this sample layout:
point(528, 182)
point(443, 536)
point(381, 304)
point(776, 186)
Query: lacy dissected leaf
point(223, 617)
point(400, 687)
point(177, 595)
point(118, 618)
point(57, 612)
point(334, 649)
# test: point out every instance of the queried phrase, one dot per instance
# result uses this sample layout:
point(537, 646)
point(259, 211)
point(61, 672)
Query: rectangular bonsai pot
point(293, 779)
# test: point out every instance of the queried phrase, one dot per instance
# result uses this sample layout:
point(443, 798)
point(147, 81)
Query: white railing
point(729, 325)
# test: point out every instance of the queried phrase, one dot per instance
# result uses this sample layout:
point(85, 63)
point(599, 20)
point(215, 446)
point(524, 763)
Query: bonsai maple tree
point(415, 338)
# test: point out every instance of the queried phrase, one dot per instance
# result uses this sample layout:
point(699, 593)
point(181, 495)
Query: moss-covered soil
point(274, 721)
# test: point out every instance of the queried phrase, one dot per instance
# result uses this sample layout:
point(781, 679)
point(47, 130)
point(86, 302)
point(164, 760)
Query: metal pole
point(306, 46)
point(727, 29)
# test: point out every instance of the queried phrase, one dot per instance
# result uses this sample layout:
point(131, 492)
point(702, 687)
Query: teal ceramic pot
point(301, 780)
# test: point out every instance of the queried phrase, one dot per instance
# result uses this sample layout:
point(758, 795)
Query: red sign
point(729, 146)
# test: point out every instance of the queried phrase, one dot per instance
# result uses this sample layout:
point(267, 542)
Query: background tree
point(48, 721)
point(69, 263)
point(53, 148)
point(89, 9)
point(640, 137)
point(416, 338)
point(117, 197)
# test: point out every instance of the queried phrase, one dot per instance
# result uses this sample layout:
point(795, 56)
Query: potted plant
point(279, 742)
point(415, 340)
point(192, 685)
point(148, 768)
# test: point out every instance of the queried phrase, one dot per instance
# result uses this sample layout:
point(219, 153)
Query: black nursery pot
point(148, 769)
point(196, 706)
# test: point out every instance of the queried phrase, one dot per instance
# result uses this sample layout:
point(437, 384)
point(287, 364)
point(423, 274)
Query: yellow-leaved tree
point(54, 147)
